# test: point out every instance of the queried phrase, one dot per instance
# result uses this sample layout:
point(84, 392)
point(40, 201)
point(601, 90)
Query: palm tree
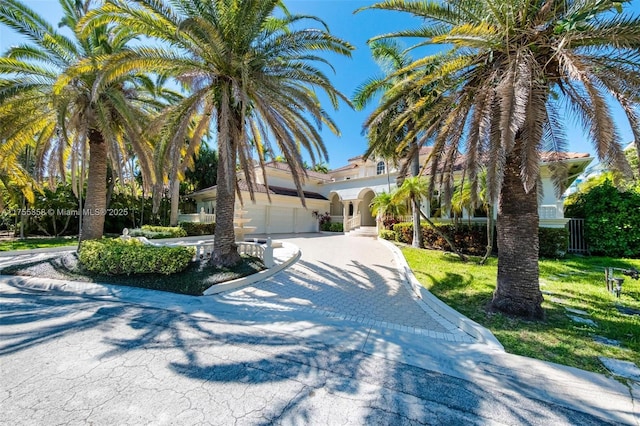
point(508, 67)
point(250, 73)
point(462, 199)
point(52, 90)
point(385, 204)
point(383, 142)
point(417, 187)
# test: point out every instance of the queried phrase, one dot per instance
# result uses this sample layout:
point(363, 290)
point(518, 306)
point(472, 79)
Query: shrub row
point(155, 232)
point(332, 227)
point(472, 239)
point(196, 229)
point(117, 257)
point(554, 242)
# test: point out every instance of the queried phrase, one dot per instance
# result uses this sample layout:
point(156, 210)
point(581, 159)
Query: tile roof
point(310, 173)
point(271, 190)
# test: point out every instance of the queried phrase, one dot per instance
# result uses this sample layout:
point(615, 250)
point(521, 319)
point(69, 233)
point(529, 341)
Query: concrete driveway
point(336, 339)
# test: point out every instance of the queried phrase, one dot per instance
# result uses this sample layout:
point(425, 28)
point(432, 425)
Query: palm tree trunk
point(96, 201)
point(518, 290)
point(175, 201)
point(225, 251)
point(489, 234)
point(415, 202)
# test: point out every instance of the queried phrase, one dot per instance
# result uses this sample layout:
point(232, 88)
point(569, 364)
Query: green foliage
point(204, 172)
point(469, 239)
point(195, 229)
point(172, 231)
point(554, 242)
point(336, 227)
point(611, 219)
point(35, 243)
point(117, 257)
point(324, 220)
point(388, 235)
point(472, 239)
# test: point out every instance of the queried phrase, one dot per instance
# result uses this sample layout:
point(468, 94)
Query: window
point(380, 168)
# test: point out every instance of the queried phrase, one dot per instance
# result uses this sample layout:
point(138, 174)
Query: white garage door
point(281, 220)
point(305, 222)
point(257, 216)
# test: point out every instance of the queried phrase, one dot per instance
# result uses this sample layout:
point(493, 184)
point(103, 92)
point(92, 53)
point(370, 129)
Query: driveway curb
point(254, 278)
point(480, 333)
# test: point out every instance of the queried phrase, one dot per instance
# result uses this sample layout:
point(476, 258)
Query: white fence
point(204, 248)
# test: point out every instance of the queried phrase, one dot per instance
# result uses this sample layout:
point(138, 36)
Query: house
point(347, 192)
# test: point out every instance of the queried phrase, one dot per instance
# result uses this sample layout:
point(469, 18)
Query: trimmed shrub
point(388, 235)
point(473, 239)
point(470, 239)
point(117, 257)
point(174, 231)
point(197, 229)
point(336, 227)
point(554, 242)
point(156, 232)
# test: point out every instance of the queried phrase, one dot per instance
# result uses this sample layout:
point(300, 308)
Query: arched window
point(380, 168)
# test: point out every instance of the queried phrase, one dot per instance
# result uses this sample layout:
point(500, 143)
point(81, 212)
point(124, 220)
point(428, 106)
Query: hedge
point(554, 242)
point(611, 219)
point(332, 226)
point(385, 234)
point(197, 229)
point(472, 239)
point(118, 257)
point(155, 232)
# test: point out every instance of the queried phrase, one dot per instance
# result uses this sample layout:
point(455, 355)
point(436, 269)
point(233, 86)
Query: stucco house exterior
point(347, 192)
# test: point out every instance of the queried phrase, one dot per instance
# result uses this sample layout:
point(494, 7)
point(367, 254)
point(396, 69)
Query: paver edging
point(480, 333)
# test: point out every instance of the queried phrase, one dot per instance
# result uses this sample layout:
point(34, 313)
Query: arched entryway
point(336, 205)
point(367, 218)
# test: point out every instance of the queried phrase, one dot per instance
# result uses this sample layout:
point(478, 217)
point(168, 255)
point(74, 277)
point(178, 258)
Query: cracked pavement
point(264, 355)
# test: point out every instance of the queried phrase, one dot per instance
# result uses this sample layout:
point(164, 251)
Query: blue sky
point(350, 73)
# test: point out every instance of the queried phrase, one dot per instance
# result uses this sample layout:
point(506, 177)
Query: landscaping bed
point(194, 280)
point(605, 326)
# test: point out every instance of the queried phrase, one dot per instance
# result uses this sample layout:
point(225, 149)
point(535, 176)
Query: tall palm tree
point(251, 73)
point(52, 89)
point(509, 66)
point(383, 141)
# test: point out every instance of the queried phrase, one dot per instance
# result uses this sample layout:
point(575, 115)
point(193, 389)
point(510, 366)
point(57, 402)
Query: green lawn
point(575, 282)
point(33, 243)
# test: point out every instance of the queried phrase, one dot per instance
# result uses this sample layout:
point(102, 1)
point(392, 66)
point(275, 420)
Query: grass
point(194, 280)
point(34, 243)
point(575, 282)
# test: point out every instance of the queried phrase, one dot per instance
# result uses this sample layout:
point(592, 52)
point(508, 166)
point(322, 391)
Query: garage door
point(256, 214)
point(281, 220)
point(305, 222)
